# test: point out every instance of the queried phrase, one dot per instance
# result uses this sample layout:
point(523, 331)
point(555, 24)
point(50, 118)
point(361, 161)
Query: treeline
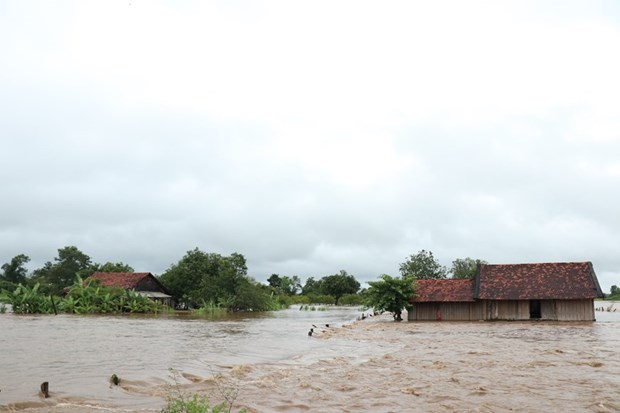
point(341, 289)
point(199, 280)
point(54, 276)
point(206, 280)
point(214, 281)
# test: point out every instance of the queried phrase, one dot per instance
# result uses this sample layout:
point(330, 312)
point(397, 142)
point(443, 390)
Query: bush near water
point(81, 298)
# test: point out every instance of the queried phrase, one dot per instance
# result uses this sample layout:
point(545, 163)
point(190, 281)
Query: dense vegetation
point(341, 288)
point(81, 298)
point(203, 279)
point(205, 282)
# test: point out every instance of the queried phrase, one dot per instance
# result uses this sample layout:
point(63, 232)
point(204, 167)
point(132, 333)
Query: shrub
point(191, 404)
point(321, 299)
point(180, 402)
point(351, 299)
point(210, 308)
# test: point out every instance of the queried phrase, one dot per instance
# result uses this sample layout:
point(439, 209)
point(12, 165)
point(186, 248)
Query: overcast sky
point(311, 136)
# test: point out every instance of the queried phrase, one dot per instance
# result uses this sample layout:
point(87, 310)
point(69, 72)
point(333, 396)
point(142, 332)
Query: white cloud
point(311, 137)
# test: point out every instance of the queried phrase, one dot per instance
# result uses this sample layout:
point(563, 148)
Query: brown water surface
point(371, 365)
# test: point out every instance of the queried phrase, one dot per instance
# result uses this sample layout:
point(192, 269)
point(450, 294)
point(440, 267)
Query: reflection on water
point(371, 365)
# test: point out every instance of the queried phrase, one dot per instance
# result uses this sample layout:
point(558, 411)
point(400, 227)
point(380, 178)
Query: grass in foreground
point(179, 401)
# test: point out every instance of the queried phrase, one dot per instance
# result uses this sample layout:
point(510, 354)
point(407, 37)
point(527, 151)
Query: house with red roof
point(143, 283)
point(543, 291)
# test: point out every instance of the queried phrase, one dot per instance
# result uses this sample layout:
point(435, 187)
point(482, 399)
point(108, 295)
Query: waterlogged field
point(352, 366)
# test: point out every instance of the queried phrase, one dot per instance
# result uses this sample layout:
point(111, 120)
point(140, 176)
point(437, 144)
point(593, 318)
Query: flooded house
point(543, 291)
point(144, 283)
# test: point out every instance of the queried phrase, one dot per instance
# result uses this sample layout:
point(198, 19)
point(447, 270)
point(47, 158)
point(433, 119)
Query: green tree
point(284, 284)
point(339, 284)
point(15, 271)
point(465, 267)
point(201, 277)
point(290, 285)
point(311, 286)
point(295, 285)
point(107, 267)
point(614, 292)
point(62, 272)
point(391, 294)
point(423, 265)
point(274, 281)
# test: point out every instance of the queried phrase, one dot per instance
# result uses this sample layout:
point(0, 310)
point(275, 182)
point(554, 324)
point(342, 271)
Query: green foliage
point(614, 293)
point(81, 298)
point(274, 281)
point(311, 286)
point(191, 404)
point(391, 294)
point(7, 286)
point(15, 271)
point(423, 266)
point(60, 274)
point(285, 285)
point(298, 299)
point(339, 284)
point(107, 267)
point(351, 299)
point(321, 299)
point(181, 402)
point(465, 267)
point(201, 277)
point(210, 309)
point(26, 300)
point(253, 296)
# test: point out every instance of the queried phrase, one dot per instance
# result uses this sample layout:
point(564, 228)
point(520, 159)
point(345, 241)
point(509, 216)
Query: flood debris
point(45, 389)
point(115, 380)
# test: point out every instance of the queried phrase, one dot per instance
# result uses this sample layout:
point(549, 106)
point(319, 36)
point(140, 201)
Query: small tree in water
point(391, 294)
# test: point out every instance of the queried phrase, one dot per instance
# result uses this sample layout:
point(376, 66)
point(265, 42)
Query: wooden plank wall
point(562, 310)
point(575, 310)
point(449, 311)
point(455, 311)
point(507, 310)
point(423, 312)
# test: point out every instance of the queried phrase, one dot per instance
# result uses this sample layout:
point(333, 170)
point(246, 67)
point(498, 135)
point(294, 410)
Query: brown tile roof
point(126, 280)
point(544, 281)
point(444, 290)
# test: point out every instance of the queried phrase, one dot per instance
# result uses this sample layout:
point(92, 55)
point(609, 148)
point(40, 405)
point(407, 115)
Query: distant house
point(143, 283)
point(544, 291)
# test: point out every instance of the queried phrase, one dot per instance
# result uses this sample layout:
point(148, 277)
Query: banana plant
point(26, 300)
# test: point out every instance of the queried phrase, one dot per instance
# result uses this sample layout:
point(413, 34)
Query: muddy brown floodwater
point(374, 365)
